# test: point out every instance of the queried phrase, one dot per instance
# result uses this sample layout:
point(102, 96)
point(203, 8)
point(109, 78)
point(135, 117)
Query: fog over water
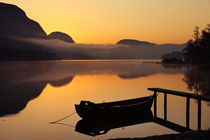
point(107, 51)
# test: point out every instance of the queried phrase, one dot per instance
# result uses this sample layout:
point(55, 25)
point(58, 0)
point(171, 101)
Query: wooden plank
point(170, 125)
point(179, 93)
point(165, 106)
point(155, 104)
point(188, 112)
point(199, 114)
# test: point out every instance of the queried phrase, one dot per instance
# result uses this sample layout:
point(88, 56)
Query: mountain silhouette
point(24, 39)
point(15, 23)
point(11, 49)
point(16, 27)
point(134, 42)
point(60, 36)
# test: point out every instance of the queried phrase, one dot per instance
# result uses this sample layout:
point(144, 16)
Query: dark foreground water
point(32, 94)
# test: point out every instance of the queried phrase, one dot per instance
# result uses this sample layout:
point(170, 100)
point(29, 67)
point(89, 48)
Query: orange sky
point(108, 21)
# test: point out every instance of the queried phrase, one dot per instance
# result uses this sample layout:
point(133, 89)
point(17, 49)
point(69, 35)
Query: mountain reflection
point(198, 80)
point(14, 98)
point(61, 82)
point(23, 81)
point(18, 88)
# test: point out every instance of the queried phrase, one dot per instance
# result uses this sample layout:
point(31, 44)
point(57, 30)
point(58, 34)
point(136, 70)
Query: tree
point(196, 33)
point(198, 50)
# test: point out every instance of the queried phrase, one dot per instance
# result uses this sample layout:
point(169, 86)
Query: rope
point(65, 124)
point(62, 118)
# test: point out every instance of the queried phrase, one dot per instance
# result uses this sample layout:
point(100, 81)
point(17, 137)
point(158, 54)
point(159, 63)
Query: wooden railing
point(183, 94)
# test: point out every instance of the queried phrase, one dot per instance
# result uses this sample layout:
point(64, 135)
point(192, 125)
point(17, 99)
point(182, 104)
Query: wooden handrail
point(179, 93)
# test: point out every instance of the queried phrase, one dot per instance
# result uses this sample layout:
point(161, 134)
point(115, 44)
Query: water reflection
point(101, 125)
point(198, 80)
point(23, 81)
point(14, 98)
point(17, 88)
point(15, 94)
point(61, 82)
point(49, 89)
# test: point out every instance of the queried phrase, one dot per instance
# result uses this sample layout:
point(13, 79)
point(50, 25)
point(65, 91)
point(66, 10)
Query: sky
point(108, 21)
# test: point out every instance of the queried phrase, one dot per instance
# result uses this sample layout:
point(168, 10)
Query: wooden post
point(188, 113)
point(165, 106)
point(199, 114)
point(155, 103)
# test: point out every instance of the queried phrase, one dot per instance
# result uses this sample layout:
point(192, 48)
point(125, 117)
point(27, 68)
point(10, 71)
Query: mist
point(105, 51)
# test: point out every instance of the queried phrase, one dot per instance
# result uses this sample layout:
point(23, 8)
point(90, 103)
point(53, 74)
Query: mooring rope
point(62, 118)
point(65, 124)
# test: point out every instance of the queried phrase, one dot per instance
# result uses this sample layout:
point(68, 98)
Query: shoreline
point(190, 135)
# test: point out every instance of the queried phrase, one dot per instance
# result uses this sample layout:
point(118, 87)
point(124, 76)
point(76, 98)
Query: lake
point(35, 93)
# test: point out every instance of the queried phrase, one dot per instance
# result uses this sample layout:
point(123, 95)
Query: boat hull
point(114, 108)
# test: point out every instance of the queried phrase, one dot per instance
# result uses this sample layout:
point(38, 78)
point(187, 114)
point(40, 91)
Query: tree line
point(197, 50)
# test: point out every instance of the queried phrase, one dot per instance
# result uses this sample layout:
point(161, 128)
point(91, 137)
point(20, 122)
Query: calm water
point(36, 93)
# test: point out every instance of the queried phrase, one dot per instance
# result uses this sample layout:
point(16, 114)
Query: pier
point(188, 96)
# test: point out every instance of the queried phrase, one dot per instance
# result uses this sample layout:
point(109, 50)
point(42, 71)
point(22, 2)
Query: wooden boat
point(87, 109)
point(102, 125)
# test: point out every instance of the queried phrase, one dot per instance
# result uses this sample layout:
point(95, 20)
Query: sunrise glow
point(108, 21)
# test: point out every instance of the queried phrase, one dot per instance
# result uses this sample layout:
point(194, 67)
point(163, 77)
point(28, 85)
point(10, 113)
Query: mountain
point(136, 49)
point(15, 23)
point(16, 28)
point(61, 36)
point(12, 49)
point(134, 42)
point(24, 39)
